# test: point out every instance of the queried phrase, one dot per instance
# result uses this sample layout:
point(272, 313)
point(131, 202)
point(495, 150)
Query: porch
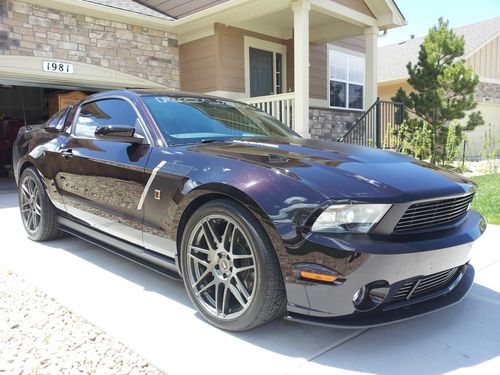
point(249, 53)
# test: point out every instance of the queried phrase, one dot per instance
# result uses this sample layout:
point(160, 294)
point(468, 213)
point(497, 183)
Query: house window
point(347, 80)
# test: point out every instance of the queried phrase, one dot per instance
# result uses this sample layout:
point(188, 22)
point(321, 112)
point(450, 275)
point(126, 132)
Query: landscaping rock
point(39, 336)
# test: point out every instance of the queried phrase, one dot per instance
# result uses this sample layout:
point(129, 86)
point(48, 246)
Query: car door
point(101, 180)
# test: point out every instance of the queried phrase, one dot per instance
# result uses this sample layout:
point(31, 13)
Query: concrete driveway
point(153, 316)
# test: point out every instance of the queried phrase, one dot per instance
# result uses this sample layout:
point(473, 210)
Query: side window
point(104, 112)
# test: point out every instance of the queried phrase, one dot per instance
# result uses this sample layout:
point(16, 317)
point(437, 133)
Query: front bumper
point(395, 315)
point(379, 259)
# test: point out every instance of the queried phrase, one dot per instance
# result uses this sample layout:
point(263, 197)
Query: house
point(241, 49)
point(482, 53)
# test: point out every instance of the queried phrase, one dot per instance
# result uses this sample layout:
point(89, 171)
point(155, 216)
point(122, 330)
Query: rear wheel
point(37, 212)
point(230, 268)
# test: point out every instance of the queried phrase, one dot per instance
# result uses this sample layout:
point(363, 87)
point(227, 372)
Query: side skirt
point(149, 259)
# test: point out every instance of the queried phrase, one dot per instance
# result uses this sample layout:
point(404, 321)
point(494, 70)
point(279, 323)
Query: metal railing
point(280, 106)
point(377, 125)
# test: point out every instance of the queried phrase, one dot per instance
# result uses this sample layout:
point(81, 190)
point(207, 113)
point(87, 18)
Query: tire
point(43, 225)
point(247, 285)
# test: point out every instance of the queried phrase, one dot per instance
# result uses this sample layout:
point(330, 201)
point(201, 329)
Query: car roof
point(147, 92)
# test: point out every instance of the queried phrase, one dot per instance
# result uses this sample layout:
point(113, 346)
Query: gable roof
point(130, 6)
point(392, 59)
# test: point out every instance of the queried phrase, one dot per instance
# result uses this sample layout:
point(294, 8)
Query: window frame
point(62, 119)
point(147, 135)
point(347, 52)
point(274, 48)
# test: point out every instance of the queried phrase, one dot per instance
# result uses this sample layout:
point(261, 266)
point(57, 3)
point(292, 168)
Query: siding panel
point(358, 5)
point(318, 71)
point(231, 63)
point(198, 68)
point(486, 61)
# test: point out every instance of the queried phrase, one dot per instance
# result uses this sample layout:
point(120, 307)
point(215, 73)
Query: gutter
point(120, 15)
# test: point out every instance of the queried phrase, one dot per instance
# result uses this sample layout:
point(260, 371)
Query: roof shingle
point(392, 59)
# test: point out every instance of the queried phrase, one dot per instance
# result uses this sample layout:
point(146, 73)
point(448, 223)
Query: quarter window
point(54, 120)
point(347, 80)
point(104, 112)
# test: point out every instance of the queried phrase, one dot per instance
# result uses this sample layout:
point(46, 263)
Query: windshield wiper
point(212, 140)
point(208, 140)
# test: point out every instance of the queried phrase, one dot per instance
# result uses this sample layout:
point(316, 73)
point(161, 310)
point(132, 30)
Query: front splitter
point(397, 315)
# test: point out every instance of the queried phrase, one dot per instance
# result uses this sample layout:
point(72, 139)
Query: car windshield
point(194, 119)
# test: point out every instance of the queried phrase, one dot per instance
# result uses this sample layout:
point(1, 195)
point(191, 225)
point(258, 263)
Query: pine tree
point(443, 86)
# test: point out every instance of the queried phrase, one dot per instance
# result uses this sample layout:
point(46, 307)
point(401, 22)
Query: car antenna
point(22, 105)
point(24, 111)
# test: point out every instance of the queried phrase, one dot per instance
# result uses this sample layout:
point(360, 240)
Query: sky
point(423, 14)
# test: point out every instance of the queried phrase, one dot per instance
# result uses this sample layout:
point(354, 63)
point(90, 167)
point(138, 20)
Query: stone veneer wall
point(33, 30)
point(331, 124)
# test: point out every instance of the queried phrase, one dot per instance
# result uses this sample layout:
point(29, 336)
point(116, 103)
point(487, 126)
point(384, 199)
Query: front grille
point(433, 213)
point(427, 284)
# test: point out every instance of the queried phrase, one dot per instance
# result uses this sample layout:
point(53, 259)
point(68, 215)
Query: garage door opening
point(29, 105)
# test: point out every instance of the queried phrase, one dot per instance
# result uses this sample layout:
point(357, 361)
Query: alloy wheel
point(30, 204)
point(221, 266)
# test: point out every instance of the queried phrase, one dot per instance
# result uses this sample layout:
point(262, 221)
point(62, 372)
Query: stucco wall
point(32, 30)
point(475, 138)
point(387, 91)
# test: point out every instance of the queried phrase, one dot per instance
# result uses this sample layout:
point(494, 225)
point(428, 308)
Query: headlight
point(350, 218)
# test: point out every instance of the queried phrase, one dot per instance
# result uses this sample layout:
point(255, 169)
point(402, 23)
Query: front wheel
point(230, 268)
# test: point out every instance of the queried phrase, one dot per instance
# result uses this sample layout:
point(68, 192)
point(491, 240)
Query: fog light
point(371, 295)
point(378, 294)
point(359, 296)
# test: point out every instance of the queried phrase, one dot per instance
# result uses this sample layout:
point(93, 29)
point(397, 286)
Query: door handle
point(68, 153)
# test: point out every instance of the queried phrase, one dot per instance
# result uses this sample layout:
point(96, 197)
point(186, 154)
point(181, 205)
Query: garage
point(54, 53)
point(28, 105)
point(33, 89)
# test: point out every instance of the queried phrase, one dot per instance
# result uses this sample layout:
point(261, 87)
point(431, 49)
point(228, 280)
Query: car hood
point(343, 171)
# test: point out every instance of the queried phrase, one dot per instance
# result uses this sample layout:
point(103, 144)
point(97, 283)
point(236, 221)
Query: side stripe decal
point(148, 184)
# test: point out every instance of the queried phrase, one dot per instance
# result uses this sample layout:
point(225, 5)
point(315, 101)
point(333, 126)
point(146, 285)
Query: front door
point(261, 72)
point(102, 181)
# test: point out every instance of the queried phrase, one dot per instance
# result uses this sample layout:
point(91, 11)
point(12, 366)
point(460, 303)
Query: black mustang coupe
point(258, 222)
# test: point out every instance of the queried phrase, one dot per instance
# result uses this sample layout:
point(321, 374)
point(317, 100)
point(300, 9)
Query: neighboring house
point(482, 53)
point(242, 49)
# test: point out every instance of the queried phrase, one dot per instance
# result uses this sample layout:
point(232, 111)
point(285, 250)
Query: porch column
point(301, 65)
point(371, 61)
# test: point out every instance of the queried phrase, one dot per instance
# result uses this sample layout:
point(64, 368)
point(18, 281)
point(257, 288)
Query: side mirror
point(118, 133)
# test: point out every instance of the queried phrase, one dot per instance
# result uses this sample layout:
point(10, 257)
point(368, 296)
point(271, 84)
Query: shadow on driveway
point(464, 335)
point(8, 193)
point(461, 336)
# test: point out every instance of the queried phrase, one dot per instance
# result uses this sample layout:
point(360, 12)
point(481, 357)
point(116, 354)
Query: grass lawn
point(487, 199)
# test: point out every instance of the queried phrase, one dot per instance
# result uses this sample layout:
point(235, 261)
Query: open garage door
point(28, 105)
point(46, 72)
point(34, 88)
